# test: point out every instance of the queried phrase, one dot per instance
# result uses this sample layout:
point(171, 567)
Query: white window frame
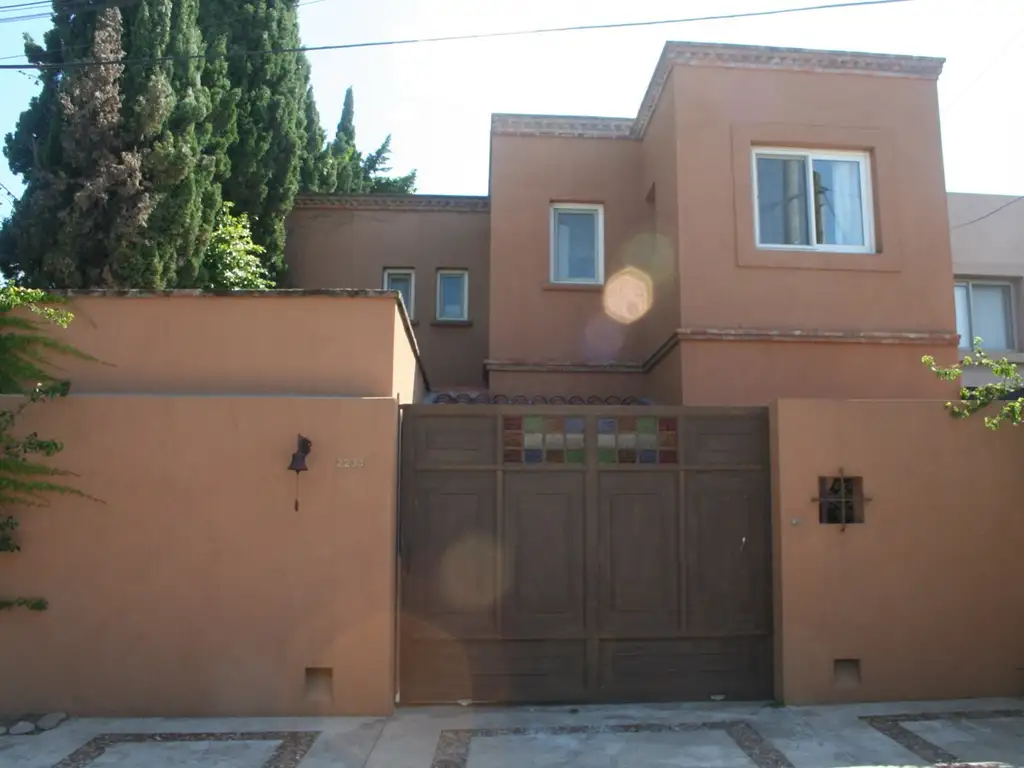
point(411, 273)
point(464, 274)
point(809, 155)
point(967, 345)
point(598, 210)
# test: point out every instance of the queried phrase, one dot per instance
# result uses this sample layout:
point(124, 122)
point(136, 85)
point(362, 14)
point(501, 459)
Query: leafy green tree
point(25, 349)
point(233, 259)
point(1003, 396)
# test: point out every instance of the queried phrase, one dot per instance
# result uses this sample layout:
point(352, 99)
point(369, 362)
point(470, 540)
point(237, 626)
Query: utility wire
point(985, 70)
point(990, 213)
point(477, 36)
point(220, 24)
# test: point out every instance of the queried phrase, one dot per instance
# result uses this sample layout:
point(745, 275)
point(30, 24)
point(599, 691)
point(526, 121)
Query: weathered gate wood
point(587, 576)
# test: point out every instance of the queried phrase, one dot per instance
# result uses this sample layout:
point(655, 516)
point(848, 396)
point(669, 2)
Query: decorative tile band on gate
point(544, 439)
point(637, 440)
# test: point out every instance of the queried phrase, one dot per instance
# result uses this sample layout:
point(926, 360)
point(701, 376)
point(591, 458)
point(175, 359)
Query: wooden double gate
point(585, 553)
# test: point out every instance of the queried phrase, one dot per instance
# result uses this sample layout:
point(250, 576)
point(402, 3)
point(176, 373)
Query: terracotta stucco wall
point(927, 592)
point(335, 247)
point(282, 344)
point(532, 320)
point(196, 588)
point(660, 153)
point(726, 282)
point(993, 246)
point(757, 372)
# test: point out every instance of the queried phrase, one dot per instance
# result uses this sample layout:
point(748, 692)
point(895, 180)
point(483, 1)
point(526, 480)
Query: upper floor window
point(811, 200)
point(984, 309)
point(403, 281)
point(452, 294)
point(577, 243)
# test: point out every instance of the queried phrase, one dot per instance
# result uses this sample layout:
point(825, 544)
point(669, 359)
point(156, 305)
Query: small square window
point(817, 201)
point(984, 309)
point(840, 500)
point(403, 281)
point(577, 243)
point(452, 294)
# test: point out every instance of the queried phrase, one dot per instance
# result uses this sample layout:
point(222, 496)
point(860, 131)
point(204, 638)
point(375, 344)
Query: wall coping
point(676, 53)
point(280, 293)
point(458, 203)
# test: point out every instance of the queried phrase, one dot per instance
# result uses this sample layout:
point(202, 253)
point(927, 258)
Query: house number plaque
point(349, 463)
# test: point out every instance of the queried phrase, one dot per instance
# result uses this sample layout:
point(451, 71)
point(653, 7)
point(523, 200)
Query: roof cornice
point(458, 203)
point(564, 126)
point(767, 57)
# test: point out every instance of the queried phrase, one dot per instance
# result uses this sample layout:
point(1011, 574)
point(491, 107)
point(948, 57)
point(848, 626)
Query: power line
point(221, 23)
point(984, 70)
point(476, 36)
point(990, 213)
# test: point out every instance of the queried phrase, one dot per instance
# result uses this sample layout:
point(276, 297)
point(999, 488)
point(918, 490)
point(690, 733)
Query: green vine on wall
point(26, 351)
point(1005, 391)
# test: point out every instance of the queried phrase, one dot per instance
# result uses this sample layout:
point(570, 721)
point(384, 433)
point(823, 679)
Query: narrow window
point(403, 281)
point(817, 201)
point(985, 309)
point(840, 500)
point(577, 243)
point(452, 294)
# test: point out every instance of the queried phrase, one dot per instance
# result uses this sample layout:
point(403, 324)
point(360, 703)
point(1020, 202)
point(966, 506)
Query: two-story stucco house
point(772, 223)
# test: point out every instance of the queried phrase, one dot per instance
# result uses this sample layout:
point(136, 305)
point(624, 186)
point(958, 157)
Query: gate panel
point(639, 560)
point(543, 554)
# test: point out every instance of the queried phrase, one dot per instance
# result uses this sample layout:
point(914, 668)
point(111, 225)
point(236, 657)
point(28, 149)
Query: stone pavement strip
point(714, 735)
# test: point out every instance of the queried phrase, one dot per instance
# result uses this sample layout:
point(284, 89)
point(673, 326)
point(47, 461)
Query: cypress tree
point(271, 117)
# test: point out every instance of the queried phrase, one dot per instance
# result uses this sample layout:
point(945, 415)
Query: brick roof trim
point(714, 55)
point(458, 203)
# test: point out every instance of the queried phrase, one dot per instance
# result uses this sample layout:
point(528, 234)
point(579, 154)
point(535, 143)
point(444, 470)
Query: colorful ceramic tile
point(533, 440)
point(575, 425)
point(512, 439)
point(667, 424)
point(648, 457)
point(666, 439)
point(554, 424)
point(513, 423)
point(627, 457)
point(647, 424)
point(533, 424)
point(533, 456)
point(554, 457)
point(627, 423)
point(513, 457)
point(575, 457)
point(606, 426)
point(574, 441)
point(554, 440)
point(605, 441)
point(626, 440)
point(607, 456)
point(667, 457)
point(646, 441)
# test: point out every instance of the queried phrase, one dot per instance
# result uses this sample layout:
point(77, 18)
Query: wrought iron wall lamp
point(298, 463)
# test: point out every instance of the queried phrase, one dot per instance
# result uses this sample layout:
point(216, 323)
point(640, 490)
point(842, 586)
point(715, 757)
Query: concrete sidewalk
point(989, 732)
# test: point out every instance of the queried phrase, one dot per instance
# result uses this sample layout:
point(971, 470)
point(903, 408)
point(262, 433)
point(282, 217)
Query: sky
point(435, 99)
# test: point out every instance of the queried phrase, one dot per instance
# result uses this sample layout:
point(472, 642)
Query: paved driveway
point(989, 732)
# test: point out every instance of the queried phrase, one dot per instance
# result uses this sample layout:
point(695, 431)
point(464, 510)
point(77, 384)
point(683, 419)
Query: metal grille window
point(840, 500)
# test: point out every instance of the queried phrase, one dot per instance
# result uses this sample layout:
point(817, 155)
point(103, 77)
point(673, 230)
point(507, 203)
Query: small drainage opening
point(319, 684)
point(846, 673)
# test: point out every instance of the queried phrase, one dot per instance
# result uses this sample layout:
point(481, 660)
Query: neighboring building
point(987, 237)
point(679, 256)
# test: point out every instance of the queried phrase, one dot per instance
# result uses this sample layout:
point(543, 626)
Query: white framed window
point(984, 308)
point(452, 294)
point(403, 281)
point(813, 200)
point(577, 243)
